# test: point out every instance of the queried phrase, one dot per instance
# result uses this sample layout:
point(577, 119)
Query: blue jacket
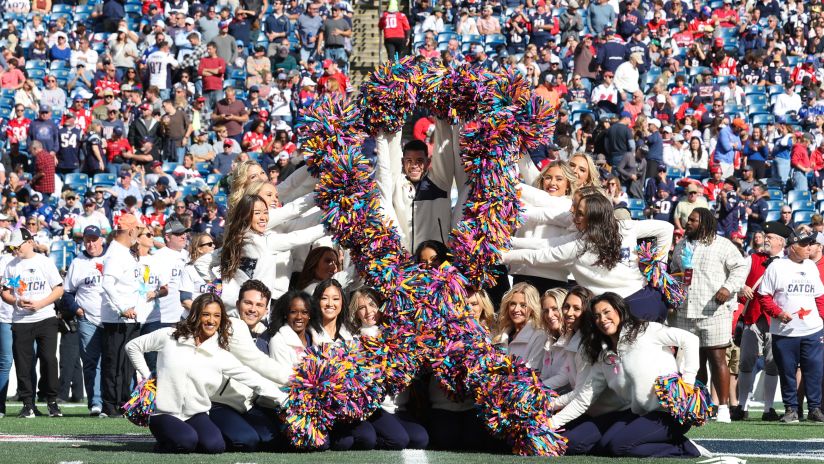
point(611, 54)
point(45, 132)
point(724, 151)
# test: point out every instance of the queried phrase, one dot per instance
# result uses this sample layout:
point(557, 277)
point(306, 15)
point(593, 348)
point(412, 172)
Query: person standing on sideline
point(31, 284)
point(713, 271)
point(172, 259)
point(756, 339)
point(793, 295)
point(83, 297)
point(121, 288)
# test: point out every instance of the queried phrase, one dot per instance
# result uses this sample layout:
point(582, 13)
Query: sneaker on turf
point(723, 415)
point(102, 415)
point(54, 410)
point(702, 452)
point(2, 415)
point(95, 411)
point(790, 416)
point(770, 416)
point(815, 415)
point(27, 412)
point(738, 414)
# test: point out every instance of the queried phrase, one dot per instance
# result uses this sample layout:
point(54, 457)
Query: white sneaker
point(95, 411)
point(704, 453)
point(723, 416)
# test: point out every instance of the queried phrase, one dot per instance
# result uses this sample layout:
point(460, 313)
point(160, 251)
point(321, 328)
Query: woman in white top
point(394, 429)
point(335, 328)
point(250, 248)
point(552, 320)
point(199, 269)
point(289, 327)
point(601, 255)
point(192, 361)
point(627, 355)
point(569, 364)
point(321, 263)
point(550, 200)
point(519, 325)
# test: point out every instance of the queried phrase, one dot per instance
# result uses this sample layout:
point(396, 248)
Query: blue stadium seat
point(773, 216)
point(61, 8)
point(636, 203)
point(637, 214)
point(169, 167)
point(76, 178)
point(203, 168)
point(802, 217)
point(803, 205)
point(776, 89)
point(221, 199)
point(472, 39)
point(756, 99)
point(36, 64)
point(190, 190)
point(675, 173)
point(755, 89)
point(213, 179)
point(105, 179)
point(495, 39)
point(774, 205)
point(795, 195)
point(761, 119)
point(775, 194)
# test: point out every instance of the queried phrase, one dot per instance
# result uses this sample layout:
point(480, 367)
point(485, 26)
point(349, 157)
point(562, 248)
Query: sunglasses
point(146, 234)
point(11, 249)
point(207, 244)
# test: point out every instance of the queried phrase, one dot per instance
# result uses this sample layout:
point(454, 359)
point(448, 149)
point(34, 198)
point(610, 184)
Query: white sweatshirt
point(528, 345)
point(546, 217)
point(188, 375)
point(624, 279)
point(631, 372)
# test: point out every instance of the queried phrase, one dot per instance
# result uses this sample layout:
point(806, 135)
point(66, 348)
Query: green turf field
point(118, 450)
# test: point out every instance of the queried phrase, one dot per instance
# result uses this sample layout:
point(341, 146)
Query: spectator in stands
point(466, 24)
point(488, 24)
point(333, 36)
point(758, 209)
point(396, 29)
point(619, 141)
point(308, 28)
point(601, 17)
point(787, 102)
point(434, 22)
point(685, 207)
point(627, 74)
point(231, 113)
point(801, 162)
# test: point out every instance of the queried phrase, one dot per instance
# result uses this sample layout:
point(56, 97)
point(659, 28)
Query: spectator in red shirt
point(395, 29)
point(118, 151)
point(726, 16)
point(800, 161)
point(212, 69)
point(715, 184)
point(13, 78)
point(45, 164)
point(331, 72)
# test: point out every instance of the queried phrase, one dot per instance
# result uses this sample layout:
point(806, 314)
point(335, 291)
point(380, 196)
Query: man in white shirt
point(121, 292)
point(792, 294)
point(31, 284)
point(789, 101)
point(172, 259)
point(84, 298)
point(158, 64)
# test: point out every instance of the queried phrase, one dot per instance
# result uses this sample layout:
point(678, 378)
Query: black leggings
point(394, 46)
point(759, 169)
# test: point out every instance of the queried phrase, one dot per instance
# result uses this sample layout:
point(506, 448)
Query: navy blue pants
point(257, 429)
point(398, 432)
point(585, 434)
point(648, 304)
point(461, 430)
point(654, 435)
point(353, 436)
point(807, 352)
point(198, 433)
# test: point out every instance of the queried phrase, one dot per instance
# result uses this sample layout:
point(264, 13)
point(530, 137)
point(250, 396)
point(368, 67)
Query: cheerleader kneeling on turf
point(627, 355)
point(191, 364)
point(394, 428)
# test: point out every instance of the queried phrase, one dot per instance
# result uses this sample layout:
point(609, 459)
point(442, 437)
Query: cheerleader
point(566, 354)
point(519, 325)
point(291, 325)
point(395, 430)
point(482, 309)
point(585, 171)
point(250, 250)
point(552, 197)
point(432, 253)
point(193, 358)
point(199, 268)
point(552, 319)
point(335, 327)
point(627, 355)
point(601, 255)
point(321, 263)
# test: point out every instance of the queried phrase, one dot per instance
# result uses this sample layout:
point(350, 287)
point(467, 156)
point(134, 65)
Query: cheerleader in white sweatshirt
point(626, 356)
point(395, 430)
point(250, 248)
point(193, 359)
point(552, 319)
point(601, 255)
point(519, 325)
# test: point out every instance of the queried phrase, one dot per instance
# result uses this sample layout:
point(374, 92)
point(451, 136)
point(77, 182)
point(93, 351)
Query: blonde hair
point(239, 180)
point(559, 295)
point(487, 308)
point(533, 302)
point(365, 292)
point(594, 176)
point(569, 175)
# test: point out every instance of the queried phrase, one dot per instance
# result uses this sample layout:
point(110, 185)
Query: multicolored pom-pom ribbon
point(141, 404)
point(654, 268)
point(690, 404)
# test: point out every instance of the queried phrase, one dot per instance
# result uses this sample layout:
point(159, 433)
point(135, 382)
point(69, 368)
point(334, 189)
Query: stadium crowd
point(155, 202)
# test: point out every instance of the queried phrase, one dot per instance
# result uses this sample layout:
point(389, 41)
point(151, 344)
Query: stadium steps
point(367, 43)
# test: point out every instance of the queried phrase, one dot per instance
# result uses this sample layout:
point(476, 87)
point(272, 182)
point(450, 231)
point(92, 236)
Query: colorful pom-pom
point(689, 404)
point(141, 404)
point(654, 268)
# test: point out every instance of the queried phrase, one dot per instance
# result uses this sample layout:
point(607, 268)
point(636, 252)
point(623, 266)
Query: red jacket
point(757, 269)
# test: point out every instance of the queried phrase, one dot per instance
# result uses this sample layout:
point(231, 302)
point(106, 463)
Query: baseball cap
point(127, 221)
point(145, 106)
point(92, 231)
point(654, 122)
point(224, 24)
point(124, 173)
point(156, 164)
point(88, 201)
point(282, 76)
point(715, 168)
point(254, 88)
point(189, 21)
point(4, 217)
point(800, 238)
point(747, 167)
point(227, 143)
point(732, 181)
point(117, 131)
point(626, 114)
point(126, 88)
point(108, 92)
point(175, 227)
point(19, 236)
point(36, 197)
point(327, 62)
point(660, 98)
point(45, 108)
point(163, 180)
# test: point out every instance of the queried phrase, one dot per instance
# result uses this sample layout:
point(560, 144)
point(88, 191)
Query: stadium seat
point(802, 217)
point(105, 179)
point(761, 119)
point(636, 203)
point(776, 89)
point(795, 195)
point(773, 216)
point(775, 194)
point(203, 168)
point(75, 178)
point(221, 199)
point(472, 39)
point(698, 173)
point(675, 173)
point(213, 179)
point(169, 167)
point(637, 214)
point(756, 99)
point(774, 205)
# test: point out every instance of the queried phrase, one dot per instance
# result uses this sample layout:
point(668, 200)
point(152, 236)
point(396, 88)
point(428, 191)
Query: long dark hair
point(593, 341)
point(190, 327)
point(240, 217)
point(307, 274)
point(707, 226)
point(602, 235)
point(441, 251)
point(278, 317)
point(343, 317)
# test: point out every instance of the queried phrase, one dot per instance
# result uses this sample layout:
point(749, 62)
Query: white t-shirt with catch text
point(121, 284)
point(172, 264)
point(32, 279)
point(794, 287)
point(153, 275)
point(85, 279)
